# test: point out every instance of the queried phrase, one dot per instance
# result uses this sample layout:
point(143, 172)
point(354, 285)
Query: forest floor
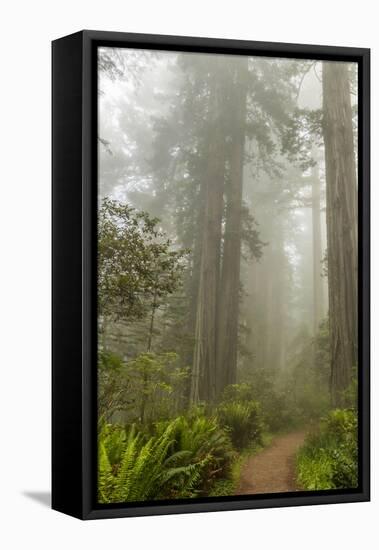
point(273, 470)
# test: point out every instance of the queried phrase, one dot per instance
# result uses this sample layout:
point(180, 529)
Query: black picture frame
point(74, 202)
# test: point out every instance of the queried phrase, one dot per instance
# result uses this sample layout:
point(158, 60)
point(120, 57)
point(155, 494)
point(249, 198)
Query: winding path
point(273, 469)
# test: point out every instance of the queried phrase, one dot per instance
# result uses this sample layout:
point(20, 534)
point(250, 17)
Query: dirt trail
point(273, 469)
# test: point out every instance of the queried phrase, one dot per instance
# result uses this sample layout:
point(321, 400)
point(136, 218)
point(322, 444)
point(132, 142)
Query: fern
point(179, 460)
point(243, 422)
point(106, 481)
point(124, 479)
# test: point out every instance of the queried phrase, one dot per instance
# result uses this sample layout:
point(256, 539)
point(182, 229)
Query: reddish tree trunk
point(341, 220)
point(203, 380)
point(227, 341)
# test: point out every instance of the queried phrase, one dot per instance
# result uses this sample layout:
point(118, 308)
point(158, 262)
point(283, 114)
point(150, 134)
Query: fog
point(222, 239)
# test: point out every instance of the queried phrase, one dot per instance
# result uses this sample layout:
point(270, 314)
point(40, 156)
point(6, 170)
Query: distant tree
point(318, 291)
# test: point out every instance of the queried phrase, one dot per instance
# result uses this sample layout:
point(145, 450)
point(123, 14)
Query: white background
point(26, 31)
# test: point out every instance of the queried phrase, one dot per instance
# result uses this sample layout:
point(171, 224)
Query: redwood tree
point(227, 340)
point(341, 215)
point(204, 375)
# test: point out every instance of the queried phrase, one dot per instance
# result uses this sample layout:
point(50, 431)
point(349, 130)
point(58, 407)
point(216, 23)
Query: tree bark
point(341, 218)
point(203, 380)
point(151, 324)
point(227, 338)
point(274, 283)
point(318, 294)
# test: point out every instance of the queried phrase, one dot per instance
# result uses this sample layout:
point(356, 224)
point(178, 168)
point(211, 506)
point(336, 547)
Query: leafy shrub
point(274, 410)
point(145, 389)
point(238, 392)
point(298, 394)
point(278, 412)
point(155, 379)
point(341, 424)
point(281, 407)
point(350, 395)
point(113, 438)
point(200, 439)
point(329, 458)
point(112, 388)
point(146, 470)
point(243, 422)
point(181, 459)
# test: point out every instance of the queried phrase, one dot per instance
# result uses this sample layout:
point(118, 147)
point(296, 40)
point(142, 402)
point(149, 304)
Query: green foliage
point(180, 459)
point(301, 394)
point(296, 395)
point(275, 413)
point(238, 392)
point(148, 388)
point(280, 412)
point(136, 264)
point(250, 236)
point(329, 458)
point(277, 410)
point(242, 420)
point(350, 395)
point(113, 439)
point(150, 269)
point(113, 388)
point(200, 440)
point(303, 131)
point(106, 481)
point(321, 365)
point(146, 470)
point(155, 379)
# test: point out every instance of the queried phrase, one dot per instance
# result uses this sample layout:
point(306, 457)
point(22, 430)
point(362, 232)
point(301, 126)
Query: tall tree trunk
point(227, 338)
point(152, 319)
point(268, 308)
point(279, 320)
point(318, 294)
point(274, 342)
point(145, 376)
point(192, 284)
point(341, 219)
point(203, 380)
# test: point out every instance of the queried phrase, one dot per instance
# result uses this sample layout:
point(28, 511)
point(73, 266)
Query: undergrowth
point(329, 457)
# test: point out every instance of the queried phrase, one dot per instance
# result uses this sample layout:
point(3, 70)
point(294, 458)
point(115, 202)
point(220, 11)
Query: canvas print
point(227, 268)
